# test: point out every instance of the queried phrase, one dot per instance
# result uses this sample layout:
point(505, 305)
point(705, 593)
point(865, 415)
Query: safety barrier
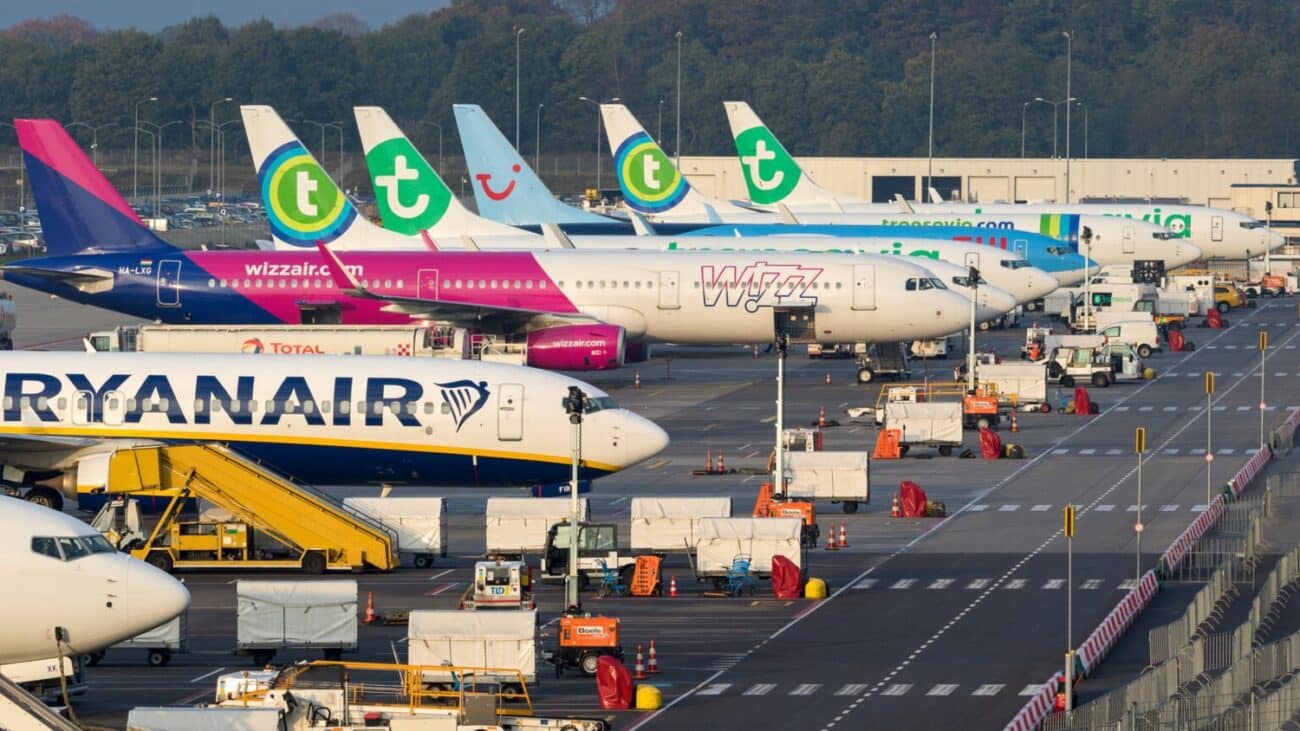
point(1208, 604)
point(1104, 637)
point(1278, 587)
point(1173, 556)
point(1038, 707)
point(1283, 438)
point(1249, 471)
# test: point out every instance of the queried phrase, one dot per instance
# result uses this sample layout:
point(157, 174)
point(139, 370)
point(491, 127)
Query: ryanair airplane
point(322, 420)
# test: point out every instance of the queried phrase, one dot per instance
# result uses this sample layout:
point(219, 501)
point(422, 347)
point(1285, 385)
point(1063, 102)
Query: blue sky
point(154, 15)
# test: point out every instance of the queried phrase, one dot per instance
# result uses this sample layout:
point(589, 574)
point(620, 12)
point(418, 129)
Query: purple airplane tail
point(80, 210)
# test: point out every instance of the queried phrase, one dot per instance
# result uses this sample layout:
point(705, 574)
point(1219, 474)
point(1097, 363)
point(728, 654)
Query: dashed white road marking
point(988, 689)
point(1060, 451)
point(760, 689)
point(1103, 508)
point(806, 689)
point(977, 584)
point(1170, 452)
point(1170, 408)
point(940, 584)
point(1198, 508)
point(851, 689)
point(978, 508)
point(1054, 584)
point(1091, 584)
point(1011, 508)
point(897, 689)
point(1031, 689)
point(1145, 408)
point(1168, 508)
point(1041, 508)
point(1113, 452)
point(942, 689)
point(1087, 451)
point(866, 584)
point(714, 689)
point(1016, 584)
point(902, 584)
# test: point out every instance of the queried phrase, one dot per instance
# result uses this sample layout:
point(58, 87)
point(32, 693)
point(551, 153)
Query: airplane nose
point(645, 439)
point(951, 313)
point(1273, 239)
point(153, 596)
point(1041, 284)
point(994, 302)
point(1183, 253)
point(1074, 272)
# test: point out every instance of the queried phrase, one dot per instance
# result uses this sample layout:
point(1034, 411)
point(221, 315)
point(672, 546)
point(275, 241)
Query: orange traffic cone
point(1015, 423)
point(654, 660)
point(844, 536)
point(722, 463)
point(640, 664)
point(637, 382)
point(756, 351)
point(708, 461)
point(830, 540)
point(895, 511)
point(821, 416)
point(370, 617)
point(672, 586)
point(828, 378)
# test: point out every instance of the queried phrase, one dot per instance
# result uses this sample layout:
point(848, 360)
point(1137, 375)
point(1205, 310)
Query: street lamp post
point(519, 31)
point(537, 149)
point(1023, 108)
point(929, 170)
point(1069, 46)
point(597, 104)
point(439, 126)
point(156, 150)
point(22, 187)
point(659, 124)
point(574, 406)
point(135, 148)
point(152, 138)
point(339, 172)
point(678, 150)
point(94, 132)
point(212, 139)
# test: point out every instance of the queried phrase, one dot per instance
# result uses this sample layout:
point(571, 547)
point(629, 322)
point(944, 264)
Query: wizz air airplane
point(574, 309)
point(63, 573)
point(322, 420)
point(380, 137)
point(526, 200)
point(773, 177)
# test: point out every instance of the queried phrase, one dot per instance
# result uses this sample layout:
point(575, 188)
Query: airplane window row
point(612, 283)
point(70, 548)
point(748, 284)
point(493, 284)
point(200, 406)
point(250, 283)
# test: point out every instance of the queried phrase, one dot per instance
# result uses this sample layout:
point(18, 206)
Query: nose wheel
point(866, 375)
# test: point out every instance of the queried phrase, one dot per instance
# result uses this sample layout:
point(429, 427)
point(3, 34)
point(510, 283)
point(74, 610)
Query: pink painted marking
point(49, 142)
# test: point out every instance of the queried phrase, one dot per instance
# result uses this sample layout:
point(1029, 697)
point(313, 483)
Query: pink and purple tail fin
point(80, 210)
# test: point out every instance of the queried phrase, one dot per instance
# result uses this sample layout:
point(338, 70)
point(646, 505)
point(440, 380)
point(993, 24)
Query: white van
point(1141, 334)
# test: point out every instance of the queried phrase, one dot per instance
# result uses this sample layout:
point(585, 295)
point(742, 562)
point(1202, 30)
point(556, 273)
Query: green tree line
point(1155, 78)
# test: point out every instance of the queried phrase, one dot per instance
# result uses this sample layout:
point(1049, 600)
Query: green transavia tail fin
point(411, 197)
point(303, 204)
point(771, 174)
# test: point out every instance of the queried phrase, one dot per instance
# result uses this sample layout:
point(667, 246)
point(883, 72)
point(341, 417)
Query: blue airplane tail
point(80, 210)
point(506, 189)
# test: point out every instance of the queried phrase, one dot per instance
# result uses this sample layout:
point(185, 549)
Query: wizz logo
point(464, 398)
point(759, 285)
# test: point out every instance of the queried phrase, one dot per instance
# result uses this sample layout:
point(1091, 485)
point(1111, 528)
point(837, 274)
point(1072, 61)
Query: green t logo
point(770, 173)
point(304, 196)
point(410, 196)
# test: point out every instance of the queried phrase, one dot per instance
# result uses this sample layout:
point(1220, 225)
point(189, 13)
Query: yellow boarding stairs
point(316, 530)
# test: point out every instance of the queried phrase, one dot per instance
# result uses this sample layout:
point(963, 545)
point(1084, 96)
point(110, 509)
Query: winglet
point(934, 195)
point(555, 237)
point(639, 224)
point(903, 205)
point(786, 215)
point(342, 278)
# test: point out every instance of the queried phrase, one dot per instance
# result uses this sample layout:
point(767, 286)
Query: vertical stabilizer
point(506, 188)
point(303, 203)
point(81, 212)
point(771, 174)
point(651, 184)
point(412, 198)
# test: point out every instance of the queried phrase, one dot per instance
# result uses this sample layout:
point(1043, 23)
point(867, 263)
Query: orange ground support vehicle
point(772, 505)
point(583, 639)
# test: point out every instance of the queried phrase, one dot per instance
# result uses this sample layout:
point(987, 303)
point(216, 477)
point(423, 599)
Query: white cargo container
point(159, 643)
point(275, 615)
point(931, 423)
point(840, 477)
point(518, 525)
point(419, 522)
point(722, 540)
point(494, 646)
point(439, 341)
point(671, 524)
point(1017, 384)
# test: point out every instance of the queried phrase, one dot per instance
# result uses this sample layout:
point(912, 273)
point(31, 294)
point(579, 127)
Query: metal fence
point(1236, 537)
point(1206, 608)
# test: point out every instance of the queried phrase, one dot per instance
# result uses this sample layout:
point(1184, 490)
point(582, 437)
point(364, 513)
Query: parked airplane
point(323, 420)
point(574, 309)
point(491, 157)
point(772, 176)
point(379, 135)
point(64, 574)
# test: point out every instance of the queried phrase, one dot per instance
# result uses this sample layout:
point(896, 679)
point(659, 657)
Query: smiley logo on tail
point(484, 179)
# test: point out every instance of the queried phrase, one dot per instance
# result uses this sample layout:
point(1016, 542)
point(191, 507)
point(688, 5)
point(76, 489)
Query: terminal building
point(1241, 185)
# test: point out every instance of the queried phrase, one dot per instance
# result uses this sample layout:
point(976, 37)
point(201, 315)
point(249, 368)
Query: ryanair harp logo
point(464, 398)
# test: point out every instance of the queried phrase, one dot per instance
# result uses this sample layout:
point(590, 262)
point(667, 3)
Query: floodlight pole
point(574, 405)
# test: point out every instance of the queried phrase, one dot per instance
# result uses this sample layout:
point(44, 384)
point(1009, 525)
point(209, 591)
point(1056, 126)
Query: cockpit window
point(924, 283)
point(598, 403)
point(1014, 263)
point(1056, 251)
point(1252, 224)
point(938, 283)
point(70, 548)
point(1164, 235)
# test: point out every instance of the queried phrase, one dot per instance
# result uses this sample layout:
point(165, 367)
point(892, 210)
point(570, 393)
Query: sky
point(154, 15)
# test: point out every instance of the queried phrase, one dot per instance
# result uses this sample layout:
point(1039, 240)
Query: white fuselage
point(60, 572)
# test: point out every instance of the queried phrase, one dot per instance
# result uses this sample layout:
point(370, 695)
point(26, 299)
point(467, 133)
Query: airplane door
point(426, 284)
point(81, 408)
point(1128, 238)
point(169, 283)
point(114, 408)
point(668, 291)
point(1216, 228)
point(510, 412)
point(864, 286)
point(1021, 247)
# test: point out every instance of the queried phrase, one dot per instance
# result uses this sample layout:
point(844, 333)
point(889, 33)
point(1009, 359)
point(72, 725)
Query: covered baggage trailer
point(518, 526)
point(931, 423)
point(495, 646)
point(158, 643)
point(722, 540)
point(1016, 384)
point(841, 477)
point(664, 524)
point(279, 615)
point(419, 522)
